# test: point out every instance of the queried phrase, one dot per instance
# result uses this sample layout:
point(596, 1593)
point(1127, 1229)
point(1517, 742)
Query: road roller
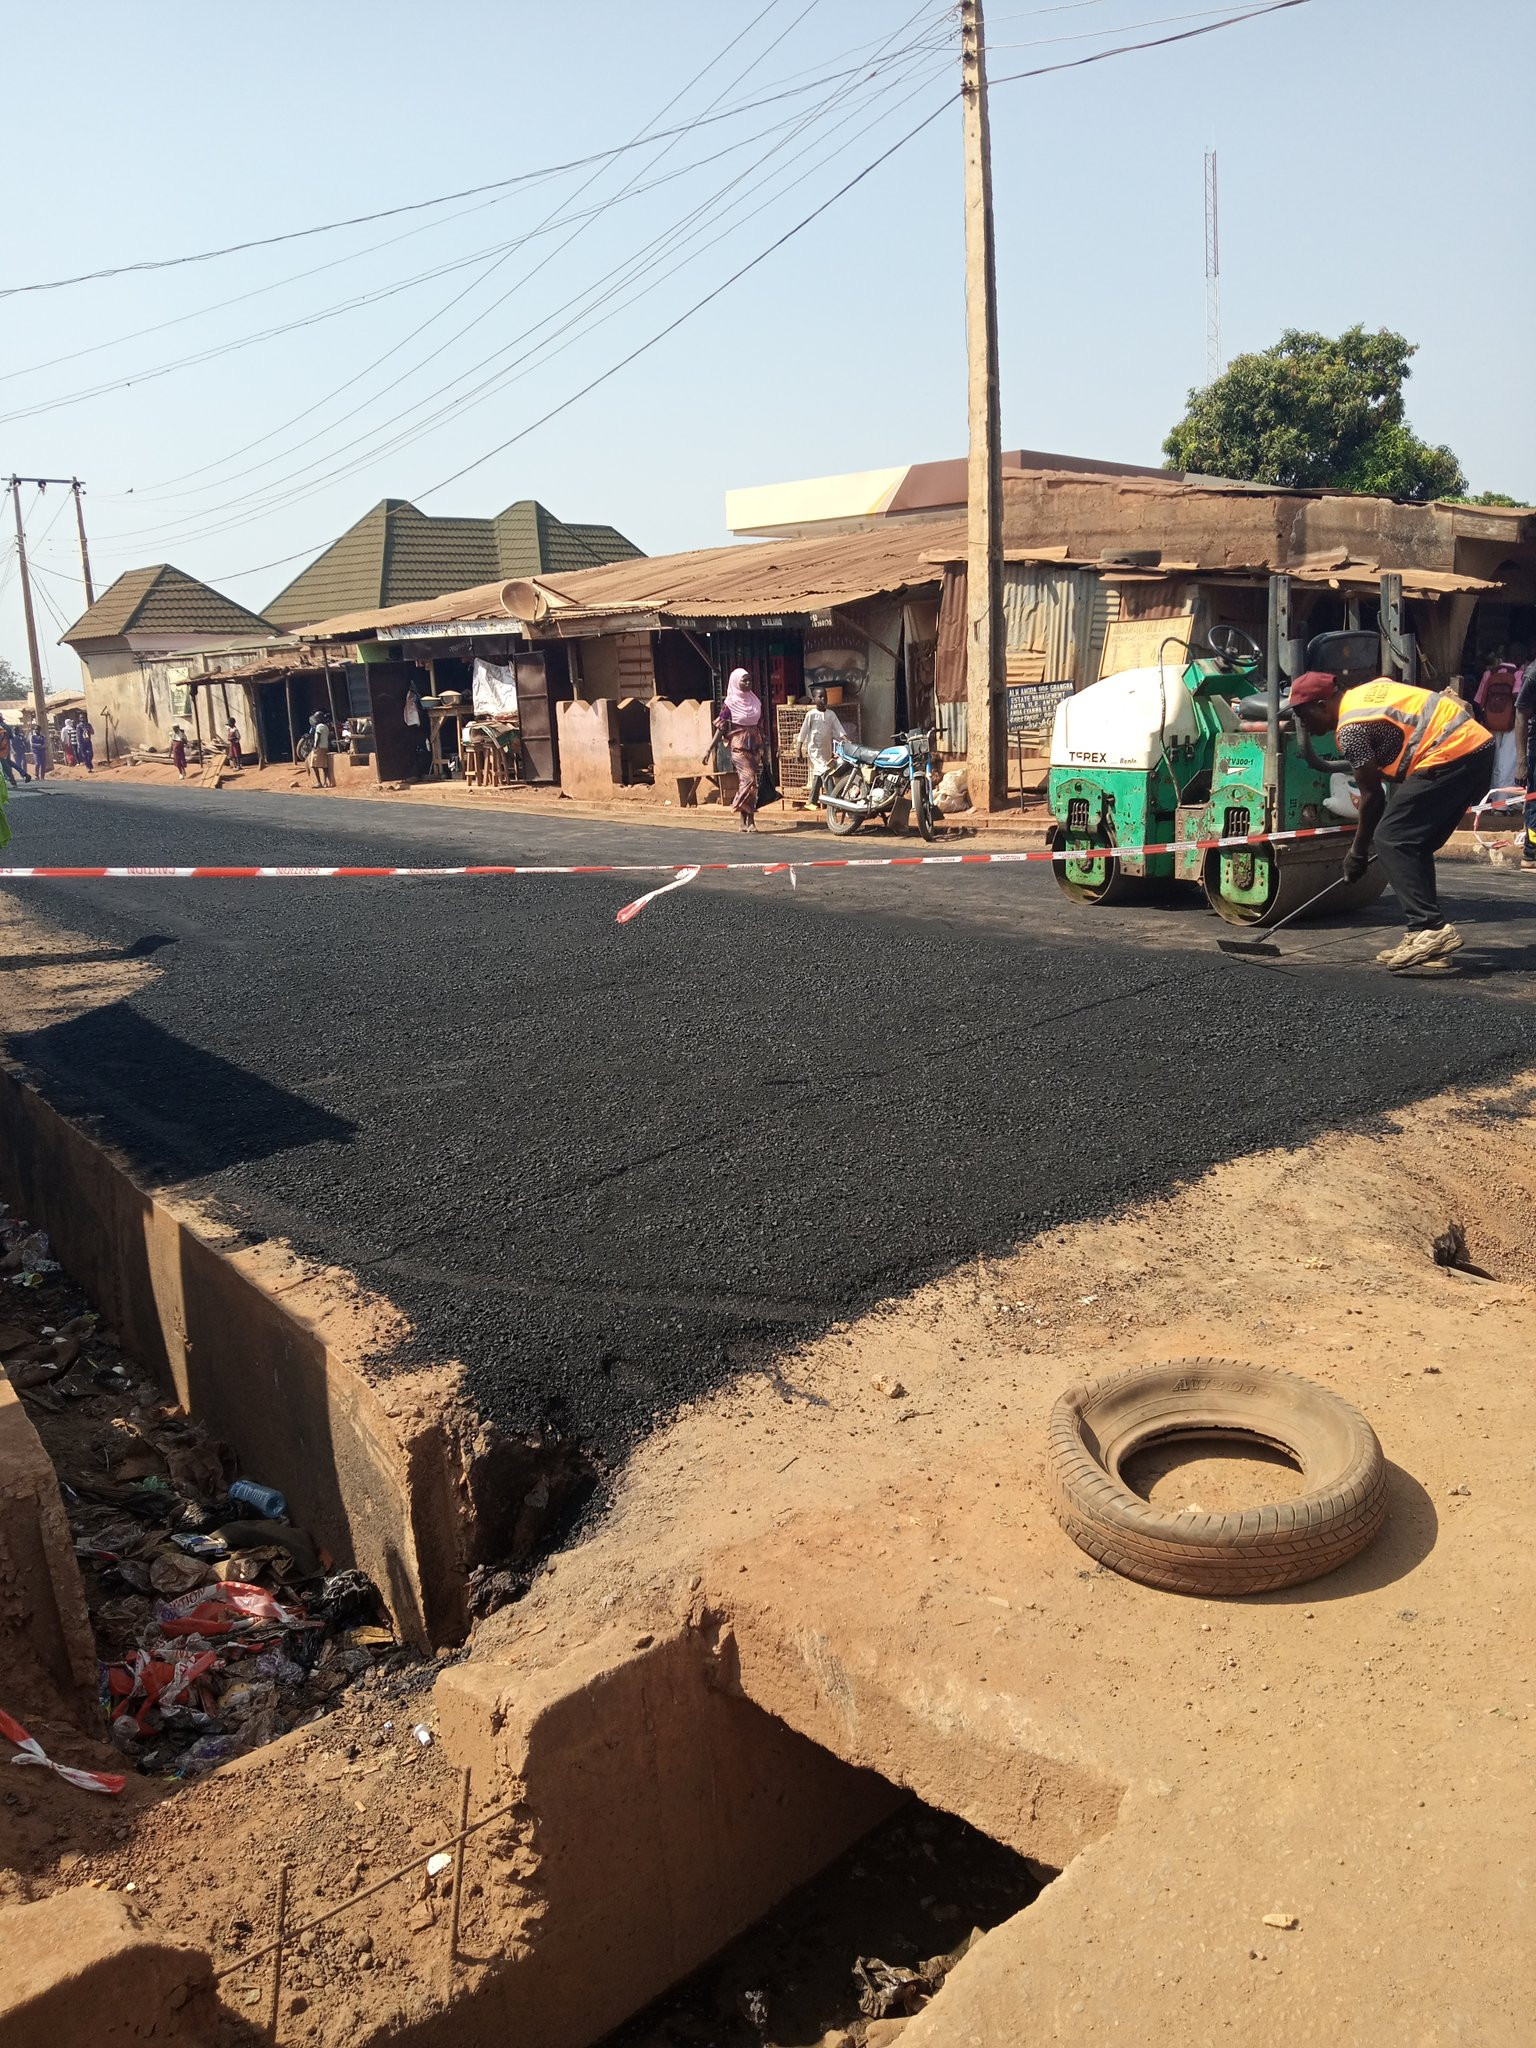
point(1205, 748)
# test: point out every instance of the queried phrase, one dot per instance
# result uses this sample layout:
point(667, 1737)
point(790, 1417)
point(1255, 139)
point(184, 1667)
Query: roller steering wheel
point(1231, 644)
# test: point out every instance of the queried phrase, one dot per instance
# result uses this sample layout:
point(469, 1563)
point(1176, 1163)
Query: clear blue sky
point(1377, 162)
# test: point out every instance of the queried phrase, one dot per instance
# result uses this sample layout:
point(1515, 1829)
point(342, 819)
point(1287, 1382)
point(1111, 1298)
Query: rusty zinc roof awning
point(767, 579)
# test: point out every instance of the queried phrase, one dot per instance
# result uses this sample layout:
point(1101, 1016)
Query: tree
point(1315, 413)
point(12, 688)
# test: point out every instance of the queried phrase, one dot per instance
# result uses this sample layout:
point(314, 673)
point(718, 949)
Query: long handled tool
point(1261, 948)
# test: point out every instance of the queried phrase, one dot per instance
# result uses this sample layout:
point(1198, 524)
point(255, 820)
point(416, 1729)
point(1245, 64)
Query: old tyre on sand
point(1097, 1427)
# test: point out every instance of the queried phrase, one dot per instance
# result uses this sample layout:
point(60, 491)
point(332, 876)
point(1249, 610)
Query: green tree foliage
point(12, 688)
point(1315, 413)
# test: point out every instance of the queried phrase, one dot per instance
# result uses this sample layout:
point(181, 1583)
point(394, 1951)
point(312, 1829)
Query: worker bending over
point(1420, 759)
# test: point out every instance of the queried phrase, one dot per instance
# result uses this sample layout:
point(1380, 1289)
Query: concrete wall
point(376, 1473)
point(78, 1969)
point(590, 764)
point(679, 739)
point(41, 1599)
point(661, 1815)
point(131, 706)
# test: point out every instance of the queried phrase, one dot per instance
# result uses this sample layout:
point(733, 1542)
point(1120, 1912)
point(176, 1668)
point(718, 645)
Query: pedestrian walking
point(85, 743)
point(67, 740)
point(816, 741)
point(1419, 758)
point(322, 770)
point(39, 741)
point(179, 752)
point(6, 768)
point(1525, 763)
point(740, 725)
point(232, 741)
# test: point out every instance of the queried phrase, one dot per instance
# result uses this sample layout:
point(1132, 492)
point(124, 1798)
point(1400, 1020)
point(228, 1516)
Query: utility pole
point(85, 555)
point(985, 645)
point(39, 695)
point(1213, 362)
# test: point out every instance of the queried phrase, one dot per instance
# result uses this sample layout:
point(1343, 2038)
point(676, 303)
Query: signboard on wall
point(1032, 706)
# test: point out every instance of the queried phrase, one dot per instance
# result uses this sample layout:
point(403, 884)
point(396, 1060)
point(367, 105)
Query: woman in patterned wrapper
point(740, 725)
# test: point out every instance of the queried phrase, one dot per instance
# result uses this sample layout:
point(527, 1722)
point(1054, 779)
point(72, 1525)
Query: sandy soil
point(635, 803)
point(1355, 1753)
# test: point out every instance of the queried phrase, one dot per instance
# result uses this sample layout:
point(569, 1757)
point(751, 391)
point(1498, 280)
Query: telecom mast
point(1213, 362)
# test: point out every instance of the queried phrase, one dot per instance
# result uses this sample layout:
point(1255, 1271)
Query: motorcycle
point(882, 782)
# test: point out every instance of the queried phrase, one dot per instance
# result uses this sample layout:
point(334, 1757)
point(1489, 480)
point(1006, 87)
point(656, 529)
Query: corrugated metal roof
point(758, 579)
point(161, 599)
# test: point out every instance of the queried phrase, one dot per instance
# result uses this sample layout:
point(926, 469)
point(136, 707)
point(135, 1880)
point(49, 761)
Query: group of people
point(24, 750)
point(77, 741)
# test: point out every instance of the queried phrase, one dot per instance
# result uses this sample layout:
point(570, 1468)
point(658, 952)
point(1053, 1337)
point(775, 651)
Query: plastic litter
point(423, 1735)
point(437, 1864)
point(268, 1503)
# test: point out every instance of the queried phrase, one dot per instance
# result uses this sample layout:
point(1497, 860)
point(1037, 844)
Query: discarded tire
point(1096, 1428)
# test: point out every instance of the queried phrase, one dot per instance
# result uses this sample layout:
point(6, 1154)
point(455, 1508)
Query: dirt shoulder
point(637, 805)
point(1356, 1753)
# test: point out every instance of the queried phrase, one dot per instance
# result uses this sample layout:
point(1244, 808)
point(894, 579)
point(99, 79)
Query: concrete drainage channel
point(639, 1806)
point(396, 1476)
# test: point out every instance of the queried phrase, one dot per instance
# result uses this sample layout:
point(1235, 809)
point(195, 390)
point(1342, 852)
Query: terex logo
point(1097, 760)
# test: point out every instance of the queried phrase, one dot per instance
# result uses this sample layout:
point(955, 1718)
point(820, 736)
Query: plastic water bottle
point(267, 1502)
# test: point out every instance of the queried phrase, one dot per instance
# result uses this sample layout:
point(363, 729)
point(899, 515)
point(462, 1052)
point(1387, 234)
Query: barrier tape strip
point(32, 1752)
point(1491, 802)
point(684, 872)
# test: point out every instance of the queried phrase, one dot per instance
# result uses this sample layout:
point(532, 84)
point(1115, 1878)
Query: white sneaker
point(1418, 949)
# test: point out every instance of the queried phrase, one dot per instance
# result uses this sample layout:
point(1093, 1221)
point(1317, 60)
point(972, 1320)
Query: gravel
point(608, 1167)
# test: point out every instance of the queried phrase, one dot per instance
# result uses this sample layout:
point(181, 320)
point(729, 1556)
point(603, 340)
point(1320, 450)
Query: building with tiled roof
point(397, 555)
point(151, 610)
point(154, 611)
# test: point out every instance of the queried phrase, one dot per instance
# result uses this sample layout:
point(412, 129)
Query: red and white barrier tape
point(682, 871)
point(1495, 801)
point(32, 1752)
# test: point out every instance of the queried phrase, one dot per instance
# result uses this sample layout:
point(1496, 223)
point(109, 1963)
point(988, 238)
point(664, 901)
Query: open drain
point(869, 1940)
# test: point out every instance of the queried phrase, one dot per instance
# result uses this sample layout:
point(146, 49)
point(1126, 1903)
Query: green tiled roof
point(161, 599)
point(397, 555)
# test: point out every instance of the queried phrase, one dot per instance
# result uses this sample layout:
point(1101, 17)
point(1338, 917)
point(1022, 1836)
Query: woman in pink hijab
point(740, 725)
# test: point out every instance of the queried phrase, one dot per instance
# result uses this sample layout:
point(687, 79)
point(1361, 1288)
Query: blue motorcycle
point(890, 783)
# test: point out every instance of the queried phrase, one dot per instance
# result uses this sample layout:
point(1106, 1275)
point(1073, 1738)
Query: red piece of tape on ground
point(32, 1752)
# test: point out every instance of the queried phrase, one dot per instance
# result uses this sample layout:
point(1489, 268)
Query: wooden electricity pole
point(85, 557)
point(985, 644)
point(39, 694)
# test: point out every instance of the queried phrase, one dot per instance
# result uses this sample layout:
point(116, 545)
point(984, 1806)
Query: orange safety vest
point(1436, 728)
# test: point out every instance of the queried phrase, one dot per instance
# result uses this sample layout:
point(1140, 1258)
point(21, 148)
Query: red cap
point(1314, 686)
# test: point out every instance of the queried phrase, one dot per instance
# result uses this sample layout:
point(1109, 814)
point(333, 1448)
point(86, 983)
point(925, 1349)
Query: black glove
point(1356, 861)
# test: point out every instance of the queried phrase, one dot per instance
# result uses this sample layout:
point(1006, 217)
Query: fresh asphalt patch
point(608, 1167)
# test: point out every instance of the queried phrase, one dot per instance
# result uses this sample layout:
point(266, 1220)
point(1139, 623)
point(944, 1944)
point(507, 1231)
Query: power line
point(637, 263)
point(1276, 6)
point(497, 251)
point(421, 205)
point(1118, 28)
point(1156, 42)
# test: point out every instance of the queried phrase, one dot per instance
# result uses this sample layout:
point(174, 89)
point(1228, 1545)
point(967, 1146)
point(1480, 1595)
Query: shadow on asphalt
point(173, 1109)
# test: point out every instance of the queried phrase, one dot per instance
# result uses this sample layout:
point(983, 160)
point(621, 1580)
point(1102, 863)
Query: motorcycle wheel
point(841, 824)
point(922, 810)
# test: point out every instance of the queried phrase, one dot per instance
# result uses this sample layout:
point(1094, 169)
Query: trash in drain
point(218, 1627)
point(867, 1942)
